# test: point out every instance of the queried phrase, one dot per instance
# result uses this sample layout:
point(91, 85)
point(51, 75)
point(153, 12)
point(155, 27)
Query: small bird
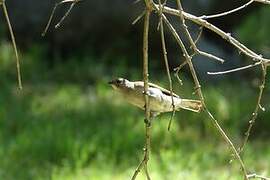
point(160, 99)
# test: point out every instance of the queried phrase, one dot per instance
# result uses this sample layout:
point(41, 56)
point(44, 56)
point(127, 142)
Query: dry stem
point(196, 81)
point(144, 161)
point(13, 43)
point(163, 43)
point(258, 106)
point(73, 2)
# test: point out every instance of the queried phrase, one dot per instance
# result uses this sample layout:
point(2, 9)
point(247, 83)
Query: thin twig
point(227, 12)
point(138, 18)
point(199, 35)
point(66, 14)
point(13, 43)
point(163, 43)
point(177, 70)
point(188, 35)
point(202, 22)
point(254, 176)
point(257, 108)
point(263, 1)
point(198, 89)
point(236, 69)
point(50, 20)
point(62, 19)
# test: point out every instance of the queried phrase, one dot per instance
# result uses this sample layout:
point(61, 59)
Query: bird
point(160, 99)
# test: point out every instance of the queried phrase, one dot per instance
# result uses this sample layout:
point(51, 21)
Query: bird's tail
point(191, 105)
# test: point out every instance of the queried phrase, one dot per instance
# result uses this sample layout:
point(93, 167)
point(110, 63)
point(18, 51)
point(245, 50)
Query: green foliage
point(67, 123)
point(254, 31)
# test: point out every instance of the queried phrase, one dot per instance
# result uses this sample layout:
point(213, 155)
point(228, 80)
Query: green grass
point(71, 132)
point(67, 123)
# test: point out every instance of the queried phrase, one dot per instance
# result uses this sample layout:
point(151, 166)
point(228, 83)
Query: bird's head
point(118, 83)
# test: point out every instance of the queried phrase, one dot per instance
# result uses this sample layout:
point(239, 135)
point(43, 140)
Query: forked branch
point(73, 2)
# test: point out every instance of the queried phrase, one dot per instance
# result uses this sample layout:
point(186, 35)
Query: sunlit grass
point(71, 132)
point(67, 123)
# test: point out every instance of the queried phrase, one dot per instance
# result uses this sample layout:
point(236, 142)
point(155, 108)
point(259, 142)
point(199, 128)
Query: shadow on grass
point(46, 128)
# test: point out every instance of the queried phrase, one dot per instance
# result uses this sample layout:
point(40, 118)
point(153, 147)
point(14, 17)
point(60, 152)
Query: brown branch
point(144, 161)
point(226, 36)
point(177, 70)
point(193, 45)
point(198, 86)
point(13, 43)
point(257, 108)
point(163, 43)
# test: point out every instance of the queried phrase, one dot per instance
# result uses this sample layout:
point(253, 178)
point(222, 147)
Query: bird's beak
point(110, 82)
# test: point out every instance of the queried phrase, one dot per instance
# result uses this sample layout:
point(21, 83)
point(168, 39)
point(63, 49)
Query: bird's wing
point(165, 91)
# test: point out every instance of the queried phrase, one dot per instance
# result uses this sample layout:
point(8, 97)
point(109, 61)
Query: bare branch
point(199, 35)
point(254, 176)
point(166, 61)
point(138, 18)
point(144, 161)
point(202, 22)
point(13, 43)
point(198, 86)
point(177, 70)
point(236, 69)
point(67, 13)
point(63, 18)
point(257, 108)
point(210, 56)
point(263, 1)
point(227, 12)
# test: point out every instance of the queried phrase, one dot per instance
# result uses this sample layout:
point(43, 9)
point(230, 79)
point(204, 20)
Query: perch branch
point(145, 159)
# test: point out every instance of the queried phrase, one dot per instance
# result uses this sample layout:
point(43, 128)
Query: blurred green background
point(67, 123)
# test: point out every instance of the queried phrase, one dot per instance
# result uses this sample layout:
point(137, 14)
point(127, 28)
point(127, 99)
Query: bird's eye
point(118, 81)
